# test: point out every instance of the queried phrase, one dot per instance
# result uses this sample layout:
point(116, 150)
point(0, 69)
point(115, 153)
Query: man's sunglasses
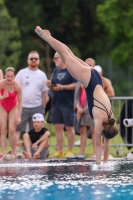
point(33, 58)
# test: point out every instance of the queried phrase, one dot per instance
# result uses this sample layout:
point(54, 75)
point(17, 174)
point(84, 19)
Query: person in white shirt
point(34, 91)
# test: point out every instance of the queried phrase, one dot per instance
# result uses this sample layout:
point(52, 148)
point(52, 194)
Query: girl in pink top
point(10, 110)
point(82, 101)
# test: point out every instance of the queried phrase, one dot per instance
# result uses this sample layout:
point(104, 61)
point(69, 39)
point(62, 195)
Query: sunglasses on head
point(33, 58)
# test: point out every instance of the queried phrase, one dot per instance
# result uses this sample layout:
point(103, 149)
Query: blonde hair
point(9, 69)
point(111, 129)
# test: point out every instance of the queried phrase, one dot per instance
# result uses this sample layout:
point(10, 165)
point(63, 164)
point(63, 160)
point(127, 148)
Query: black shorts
point(63, 115)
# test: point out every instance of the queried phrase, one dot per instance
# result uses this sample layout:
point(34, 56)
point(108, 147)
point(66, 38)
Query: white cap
point(98, 68)
point(38, 117)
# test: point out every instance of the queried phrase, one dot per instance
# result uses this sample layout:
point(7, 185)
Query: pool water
point(67, 180)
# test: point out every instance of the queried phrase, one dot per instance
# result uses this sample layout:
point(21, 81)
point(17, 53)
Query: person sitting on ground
point(99, 104)
point(36, 140)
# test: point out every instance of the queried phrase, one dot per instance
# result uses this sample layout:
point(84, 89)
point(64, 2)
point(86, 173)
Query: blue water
point(62, 180)
point(57, 191)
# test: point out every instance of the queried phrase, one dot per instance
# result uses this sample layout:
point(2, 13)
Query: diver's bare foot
point(42, 33)
point(36, 156)
point(27, 155)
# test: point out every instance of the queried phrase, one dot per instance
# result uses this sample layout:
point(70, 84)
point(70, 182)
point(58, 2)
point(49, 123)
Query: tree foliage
point(72, 22)
point(101, 29)
point(9, 39)
point(117, 17)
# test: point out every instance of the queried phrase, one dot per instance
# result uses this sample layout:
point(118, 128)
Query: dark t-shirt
point(63, 98)
point(34, 136)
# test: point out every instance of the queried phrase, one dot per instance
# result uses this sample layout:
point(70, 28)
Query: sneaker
point(69, 154)
point(77, 143)
point(77, 157)
point(129, 156)
point(80, 156)
point(58, 154)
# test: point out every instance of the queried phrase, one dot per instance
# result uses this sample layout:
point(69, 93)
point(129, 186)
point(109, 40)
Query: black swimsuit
point(94, 81)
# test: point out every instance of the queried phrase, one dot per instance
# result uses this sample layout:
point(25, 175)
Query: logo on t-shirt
point(27, 80)
point(61, 75)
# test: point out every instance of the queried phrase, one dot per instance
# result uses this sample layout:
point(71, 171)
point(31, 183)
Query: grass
point(119, 152)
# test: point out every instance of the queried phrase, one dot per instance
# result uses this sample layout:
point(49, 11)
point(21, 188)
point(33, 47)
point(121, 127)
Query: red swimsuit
point(9, 102)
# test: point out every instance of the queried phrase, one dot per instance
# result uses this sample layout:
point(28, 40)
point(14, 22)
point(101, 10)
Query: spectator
point(108, 89)
point(90, 61)
point(36, 140)
point(10, 110)
point(34, 91)
point(107, 85)
point(1, 77)
point(83, 117)
point(62, 106)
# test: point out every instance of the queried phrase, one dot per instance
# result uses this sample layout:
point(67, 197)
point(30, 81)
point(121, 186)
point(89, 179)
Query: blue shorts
point(62, 115)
